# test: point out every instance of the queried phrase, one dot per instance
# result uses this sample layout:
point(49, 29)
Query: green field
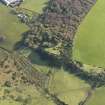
point(10, 26)
point(89, 44)
point(34, 5)
point(68, 88)
point(36, 97)
point(98, 97)
point(88, 48)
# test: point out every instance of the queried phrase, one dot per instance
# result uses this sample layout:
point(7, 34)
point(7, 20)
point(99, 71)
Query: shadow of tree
point(37, 56)
point(20, 44)
point(36, 59)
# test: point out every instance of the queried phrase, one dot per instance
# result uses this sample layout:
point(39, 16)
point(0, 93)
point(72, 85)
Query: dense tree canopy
point(57, 24)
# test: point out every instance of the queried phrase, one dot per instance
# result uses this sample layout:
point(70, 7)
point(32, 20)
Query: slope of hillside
point(98, 97)
point(20, 83)
point(34, 5)
point(10, 27)
point(29, 78)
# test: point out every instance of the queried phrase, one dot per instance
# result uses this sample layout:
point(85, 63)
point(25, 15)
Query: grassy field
point(89, 44)
point(98, 97)
point(68, 88)
point(34, 5)
point(89, 41)
point(10, 27)
point(36, 98)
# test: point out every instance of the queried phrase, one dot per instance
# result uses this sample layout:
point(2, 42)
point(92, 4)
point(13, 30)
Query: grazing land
point(98, 97)
point(27, 76)
point(90, 39)
point(34, 5)
point(10, 27)
point(73, 91)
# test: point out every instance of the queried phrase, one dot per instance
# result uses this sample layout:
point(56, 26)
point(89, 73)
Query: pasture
point(11, 27)
point(68, 87)
point(88, 48)
point(89, 43)
point(34, 5)
point(98, 97)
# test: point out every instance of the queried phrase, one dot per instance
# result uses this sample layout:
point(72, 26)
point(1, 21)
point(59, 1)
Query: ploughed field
point(89, 43)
